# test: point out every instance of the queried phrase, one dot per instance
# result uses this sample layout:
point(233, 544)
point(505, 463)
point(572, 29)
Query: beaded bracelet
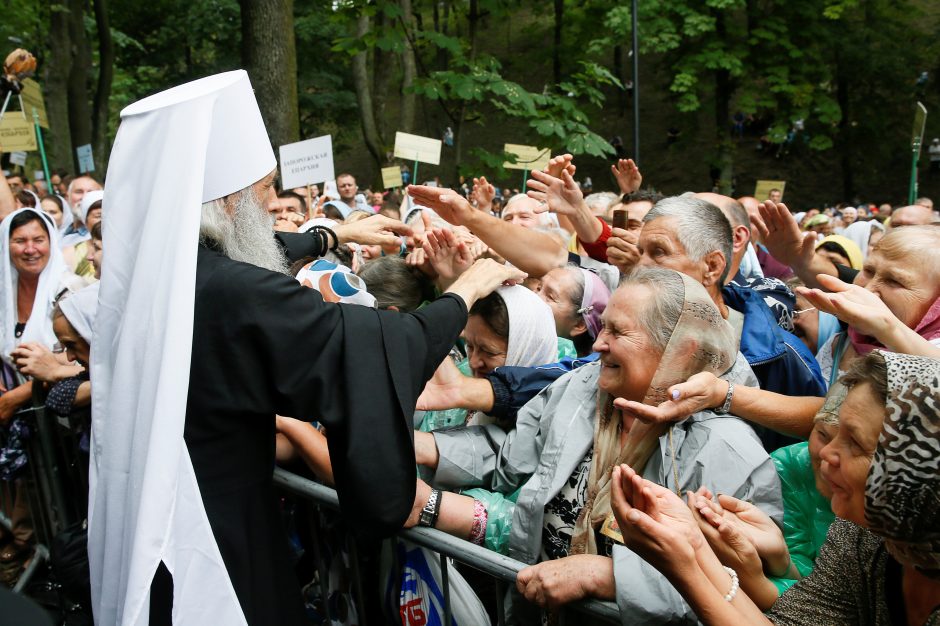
point(478, 529)
point(734, 584)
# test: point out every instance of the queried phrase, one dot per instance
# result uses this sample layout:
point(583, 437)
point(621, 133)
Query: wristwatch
point(726, 407)
point(431, 510)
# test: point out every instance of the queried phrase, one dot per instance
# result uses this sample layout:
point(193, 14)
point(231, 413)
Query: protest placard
point(417, 148)
point(391, 177)
point(307, 162)
point(17, 134)
point(527, 157)
point(762, 190)
point(32, 99)
point(18, 158)
point(86, 160)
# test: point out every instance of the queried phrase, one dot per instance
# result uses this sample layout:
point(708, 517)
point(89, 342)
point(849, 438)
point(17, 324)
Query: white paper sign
point(391, 177)
point(330, 190)
point(18, 158)
point(86, 161)
point(417, 148)
point(307, 162)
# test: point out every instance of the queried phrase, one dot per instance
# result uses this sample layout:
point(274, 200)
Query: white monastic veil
point(173, 151)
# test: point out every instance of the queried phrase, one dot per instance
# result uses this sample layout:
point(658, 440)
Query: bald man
point(912, 215)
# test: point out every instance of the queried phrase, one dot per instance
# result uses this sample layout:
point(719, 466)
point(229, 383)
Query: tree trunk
point(845, 139)
point(79, 109)
point(380, 81)
point(55, 92)
point(269, 54)
point(618, 72)
point(363, 86)
point(406, 119)
point(105, 76)
point(556, 44)
point(723, 91)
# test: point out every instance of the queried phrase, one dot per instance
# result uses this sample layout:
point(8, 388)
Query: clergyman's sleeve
point(356, 369)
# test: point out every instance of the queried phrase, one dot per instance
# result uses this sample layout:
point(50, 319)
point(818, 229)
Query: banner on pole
point(86, 160)
point(527, 157)
point(417, 148)
point(32, 100)
point(762, 190)
point(17, 134)
point(307, 162)
point(391, 177)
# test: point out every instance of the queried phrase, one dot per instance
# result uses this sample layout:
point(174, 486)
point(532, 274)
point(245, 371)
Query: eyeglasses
point(802, 311)
point(58, 348)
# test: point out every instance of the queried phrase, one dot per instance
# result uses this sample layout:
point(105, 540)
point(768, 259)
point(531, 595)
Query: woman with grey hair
point(658, 325)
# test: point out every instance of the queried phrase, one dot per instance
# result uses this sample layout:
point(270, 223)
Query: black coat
point(263, 344)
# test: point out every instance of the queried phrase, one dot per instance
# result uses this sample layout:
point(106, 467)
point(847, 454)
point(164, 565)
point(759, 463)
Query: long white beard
point(247, 235)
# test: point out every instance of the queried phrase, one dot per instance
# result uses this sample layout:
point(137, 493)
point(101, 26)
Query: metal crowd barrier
point(500, 568)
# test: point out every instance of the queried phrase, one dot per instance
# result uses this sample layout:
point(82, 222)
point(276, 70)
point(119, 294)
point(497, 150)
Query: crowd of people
point(696, 406)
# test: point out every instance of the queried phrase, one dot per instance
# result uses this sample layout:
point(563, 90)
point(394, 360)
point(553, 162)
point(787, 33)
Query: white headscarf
point(67, 217)
point(39, 326)
point(80, 310)
point(208, 138)
point(89, 199)
point(532, 339)
point(860, 232)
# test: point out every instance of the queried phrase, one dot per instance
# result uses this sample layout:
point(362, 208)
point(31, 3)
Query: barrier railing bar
point(445, 583)
point(478, 557)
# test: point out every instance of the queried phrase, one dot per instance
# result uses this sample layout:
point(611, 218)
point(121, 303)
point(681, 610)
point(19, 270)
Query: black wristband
point(323, 234)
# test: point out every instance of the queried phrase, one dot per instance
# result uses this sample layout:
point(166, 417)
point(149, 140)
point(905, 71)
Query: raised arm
point(791, 246)
point(533, 252)
point(791, 415)
point(7, 203)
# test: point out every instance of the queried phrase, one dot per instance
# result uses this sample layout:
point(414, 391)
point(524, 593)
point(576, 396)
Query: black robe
point(263, 344)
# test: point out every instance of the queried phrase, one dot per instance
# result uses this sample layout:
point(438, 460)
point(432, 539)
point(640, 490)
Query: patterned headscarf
point(902, 493)
point(702, 341)
point(336, 283)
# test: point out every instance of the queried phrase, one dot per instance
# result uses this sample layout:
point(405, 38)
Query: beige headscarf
point(702, 341)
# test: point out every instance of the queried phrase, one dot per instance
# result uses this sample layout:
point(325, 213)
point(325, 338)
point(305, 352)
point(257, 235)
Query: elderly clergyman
point(201, 338)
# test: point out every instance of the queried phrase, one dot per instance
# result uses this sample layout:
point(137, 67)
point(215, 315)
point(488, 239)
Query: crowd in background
point(697, 406)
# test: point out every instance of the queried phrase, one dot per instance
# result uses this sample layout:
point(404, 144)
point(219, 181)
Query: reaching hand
point(655, 522)
point(422, 493)
point(861, 309)
point(782, 235)
point(744, 532)
point(622, 250)
point(374, 230)
point(561, 581)
point(483, 193)
point(35, 360)
point(559, 164)
point(450, 205)
point(448, 256)
point(482, 279)
point(444, 390)
point(628, 175)
point(702, 391)
point(560, 195)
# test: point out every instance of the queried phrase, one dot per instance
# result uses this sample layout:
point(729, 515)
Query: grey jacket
point(554, 432)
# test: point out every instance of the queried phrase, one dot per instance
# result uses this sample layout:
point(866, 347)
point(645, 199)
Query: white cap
point(89, 199)
point(239, 152)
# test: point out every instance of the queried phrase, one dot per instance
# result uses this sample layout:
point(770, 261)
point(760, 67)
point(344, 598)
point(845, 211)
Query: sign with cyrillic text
point(527, 157)
point(17, 134)
point(417, 148)
point(762, 190)
point(18, 158)
point(86, 160)
point(307, 162)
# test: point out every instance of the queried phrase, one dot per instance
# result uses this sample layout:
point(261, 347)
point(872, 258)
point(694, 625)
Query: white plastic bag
point(413, 594)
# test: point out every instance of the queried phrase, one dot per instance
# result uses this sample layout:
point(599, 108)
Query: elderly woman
point(577, 298)
point(511, 326)
point(659, 326)
point(865, 235)
point(881, 560)
point(903, 271)
point(33, 275)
